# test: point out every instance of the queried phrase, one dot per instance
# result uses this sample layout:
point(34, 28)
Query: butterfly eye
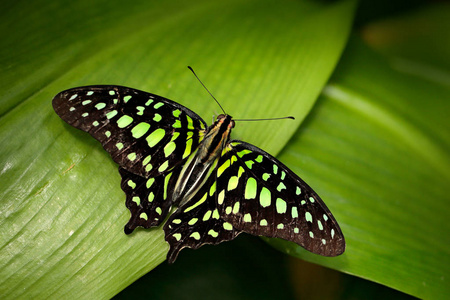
point(232, 123)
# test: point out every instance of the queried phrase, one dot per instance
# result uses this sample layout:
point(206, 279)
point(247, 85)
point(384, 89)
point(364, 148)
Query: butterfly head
point(226, 120)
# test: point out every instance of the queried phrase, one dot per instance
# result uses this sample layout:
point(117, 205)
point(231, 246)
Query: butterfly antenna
point(207, 89)
point(269, 119)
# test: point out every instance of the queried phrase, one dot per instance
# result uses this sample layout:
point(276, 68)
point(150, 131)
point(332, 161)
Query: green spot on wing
point(169, 148)
point(149, 182)
point(124, 121)
point(151, 196)
point(157, 118)
point(195, 235)
point(221, 197)
point(188, 149)
point(176, 113)
point(136, 200)
point(243, 152)
point(177, 124)
point(232, 183)
point(158, 105)
point(265, 197)
point(190, 123)
point(100, 106)
point(294, 212)
point(203, 199)
point(131, 184)
point(320, 225)
point(111, 114)
point(236, 207)
point(308, 216)
point(177, 236)
point(140, 129)
point(131, 156)
point(212, 189)
point(164, 166)
point(280, 187)
point(155, 137)
point(281, 206)
point(247, 218)
point(207, 215)
point(146, 160)
point(227, 226)
point(126, 98)
point(249, 163)
point(213, 233)
point(223, 167)
point(250, 188)
point(166, 185)
point(140, 110)
point(241, 171)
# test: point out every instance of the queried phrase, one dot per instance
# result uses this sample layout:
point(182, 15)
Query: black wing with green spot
point(259, 195)
point(148, 199)
point(145, 134)
point(197, 223)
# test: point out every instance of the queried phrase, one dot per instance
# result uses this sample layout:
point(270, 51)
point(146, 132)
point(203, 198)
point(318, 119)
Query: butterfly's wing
point(197, 222)
point(148, 199)
point(259, 195)
point(145, 134)
point(149, 136)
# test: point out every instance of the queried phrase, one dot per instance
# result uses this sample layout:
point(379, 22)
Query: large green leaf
point(376, 147)
point(62, 209)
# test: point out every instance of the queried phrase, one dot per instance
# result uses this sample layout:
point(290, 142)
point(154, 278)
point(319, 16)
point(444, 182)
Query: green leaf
point(376, 148)
point(62, 209)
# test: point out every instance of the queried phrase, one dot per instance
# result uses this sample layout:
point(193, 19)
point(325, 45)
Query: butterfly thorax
point(203, 161)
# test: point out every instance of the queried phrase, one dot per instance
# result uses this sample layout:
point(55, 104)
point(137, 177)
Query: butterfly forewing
point(145, 134)
point(197, 223)
point(259, 195)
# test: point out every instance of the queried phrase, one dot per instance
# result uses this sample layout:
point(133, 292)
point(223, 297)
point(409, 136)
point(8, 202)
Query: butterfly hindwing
point(259, 195)
point(145, 134)
point(197, 223)
point(148, 199)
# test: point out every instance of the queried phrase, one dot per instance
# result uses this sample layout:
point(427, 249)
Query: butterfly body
point(195, 172)
point(220, 187)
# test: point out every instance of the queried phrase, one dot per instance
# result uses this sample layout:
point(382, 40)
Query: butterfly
point(169, 158)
